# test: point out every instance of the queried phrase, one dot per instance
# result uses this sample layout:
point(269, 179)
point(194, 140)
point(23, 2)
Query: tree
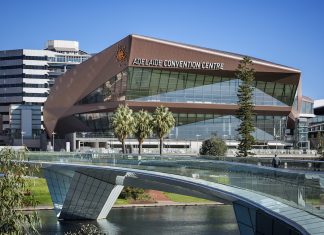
point(213, 147)
point(15, 195)
point(245, 113)
point(123, 124)
point(133, 193)
point(143, 127)
point(319, 142)
point(163, 122)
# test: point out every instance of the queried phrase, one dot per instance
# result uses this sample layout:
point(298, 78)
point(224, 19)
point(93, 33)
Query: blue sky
point(282, 31)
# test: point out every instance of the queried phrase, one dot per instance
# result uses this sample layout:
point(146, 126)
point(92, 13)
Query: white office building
point(26, 77)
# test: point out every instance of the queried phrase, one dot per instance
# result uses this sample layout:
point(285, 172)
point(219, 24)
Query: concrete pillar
point(72, 139)
point(77, 145)
point(95, 145)
point(89, 198)
point(105, 145)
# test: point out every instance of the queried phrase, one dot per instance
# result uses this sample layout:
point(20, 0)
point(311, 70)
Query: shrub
point(132, 193)
point(214, 147)
point(88, 229)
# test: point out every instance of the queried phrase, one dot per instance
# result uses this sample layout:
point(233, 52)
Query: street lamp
point(170, 136)
point(22, 138)
point(53, 134)
point(197, 142)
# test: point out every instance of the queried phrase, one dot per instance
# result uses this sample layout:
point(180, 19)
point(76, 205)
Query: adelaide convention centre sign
point(178, 64)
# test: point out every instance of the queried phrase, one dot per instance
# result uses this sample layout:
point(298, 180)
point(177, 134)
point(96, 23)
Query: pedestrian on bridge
point(275, 161)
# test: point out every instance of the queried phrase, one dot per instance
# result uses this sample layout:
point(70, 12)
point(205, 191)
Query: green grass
point(185, 199)
point(39, 190)
point(121, 202)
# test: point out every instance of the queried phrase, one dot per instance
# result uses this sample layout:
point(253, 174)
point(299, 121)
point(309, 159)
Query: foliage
point(213, 147)
point(88, 229)
point(133, 193)
point(320, 143)
point(163, 122)
point(143, 127)
point(123, 124)
point(245, 113)
point(15, 194)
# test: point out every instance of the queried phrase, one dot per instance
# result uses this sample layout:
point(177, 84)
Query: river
point(216, 220)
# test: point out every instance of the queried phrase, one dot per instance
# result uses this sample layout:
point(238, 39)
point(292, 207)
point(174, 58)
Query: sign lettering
point(178, 64)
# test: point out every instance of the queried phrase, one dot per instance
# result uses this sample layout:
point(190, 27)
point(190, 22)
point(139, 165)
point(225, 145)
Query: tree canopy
point(245, 113)
point(213, 147)
point(123, 124)
point(15, 195)
point(143, 127)
point(163, 122)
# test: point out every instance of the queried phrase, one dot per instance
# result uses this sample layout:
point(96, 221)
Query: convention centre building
point(198, 85)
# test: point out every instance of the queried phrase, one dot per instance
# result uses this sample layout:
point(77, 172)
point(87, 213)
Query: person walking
point(275, 161)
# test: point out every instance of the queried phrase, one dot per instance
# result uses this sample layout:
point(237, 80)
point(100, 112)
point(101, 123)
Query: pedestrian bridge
point(265, 200)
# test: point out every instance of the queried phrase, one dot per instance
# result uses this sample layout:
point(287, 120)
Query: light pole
point(22, 138)
point(170, 136)
point(197, 142)
point(53, 134)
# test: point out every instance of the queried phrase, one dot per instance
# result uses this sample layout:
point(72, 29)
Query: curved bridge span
point(265, 200)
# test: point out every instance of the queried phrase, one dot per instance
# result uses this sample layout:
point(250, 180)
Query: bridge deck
point(245, 186)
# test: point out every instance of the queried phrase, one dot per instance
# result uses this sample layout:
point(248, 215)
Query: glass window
point(208, 80)
point(182, 79)
point(190, 80)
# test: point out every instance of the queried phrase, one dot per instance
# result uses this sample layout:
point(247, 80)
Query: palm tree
point(123, 123)
point(163, 122)
point(143, 127)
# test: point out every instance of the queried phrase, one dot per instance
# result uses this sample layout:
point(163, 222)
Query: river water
point(216, 220)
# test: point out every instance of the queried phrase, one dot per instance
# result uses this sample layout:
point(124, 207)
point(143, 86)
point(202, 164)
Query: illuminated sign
point(183, 64)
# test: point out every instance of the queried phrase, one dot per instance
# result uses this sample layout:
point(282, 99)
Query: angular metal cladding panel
point(150, 48)
point(82, 80)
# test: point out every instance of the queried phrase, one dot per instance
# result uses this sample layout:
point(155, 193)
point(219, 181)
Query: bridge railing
point(302, 189)
point(307, 164)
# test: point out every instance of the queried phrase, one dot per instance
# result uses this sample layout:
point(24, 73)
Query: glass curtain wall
point(166, 86)
point(142, 84)
point(189, 126)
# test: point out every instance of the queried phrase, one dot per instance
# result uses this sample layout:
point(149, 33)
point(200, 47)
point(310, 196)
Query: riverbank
point(140, 205)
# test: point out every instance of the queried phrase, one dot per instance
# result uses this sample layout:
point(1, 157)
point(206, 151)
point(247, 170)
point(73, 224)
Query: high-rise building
point(26, 77)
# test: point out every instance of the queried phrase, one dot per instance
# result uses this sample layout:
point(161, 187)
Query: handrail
point(300, 189)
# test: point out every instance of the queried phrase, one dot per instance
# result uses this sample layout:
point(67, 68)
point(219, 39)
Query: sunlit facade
point(198, 85)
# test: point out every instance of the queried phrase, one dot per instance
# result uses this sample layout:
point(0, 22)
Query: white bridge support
point(253, 221)
point(89, 192)
point(83, 196)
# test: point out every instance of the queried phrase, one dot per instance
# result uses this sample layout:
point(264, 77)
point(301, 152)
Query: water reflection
point(157, 220)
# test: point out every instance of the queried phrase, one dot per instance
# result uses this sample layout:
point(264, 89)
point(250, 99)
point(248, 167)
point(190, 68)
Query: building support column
point(95, 145)
point(73, 142)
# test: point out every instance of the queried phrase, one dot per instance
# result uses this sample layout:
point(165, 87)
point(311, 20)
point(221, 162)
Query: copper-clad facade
point(197, 84)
